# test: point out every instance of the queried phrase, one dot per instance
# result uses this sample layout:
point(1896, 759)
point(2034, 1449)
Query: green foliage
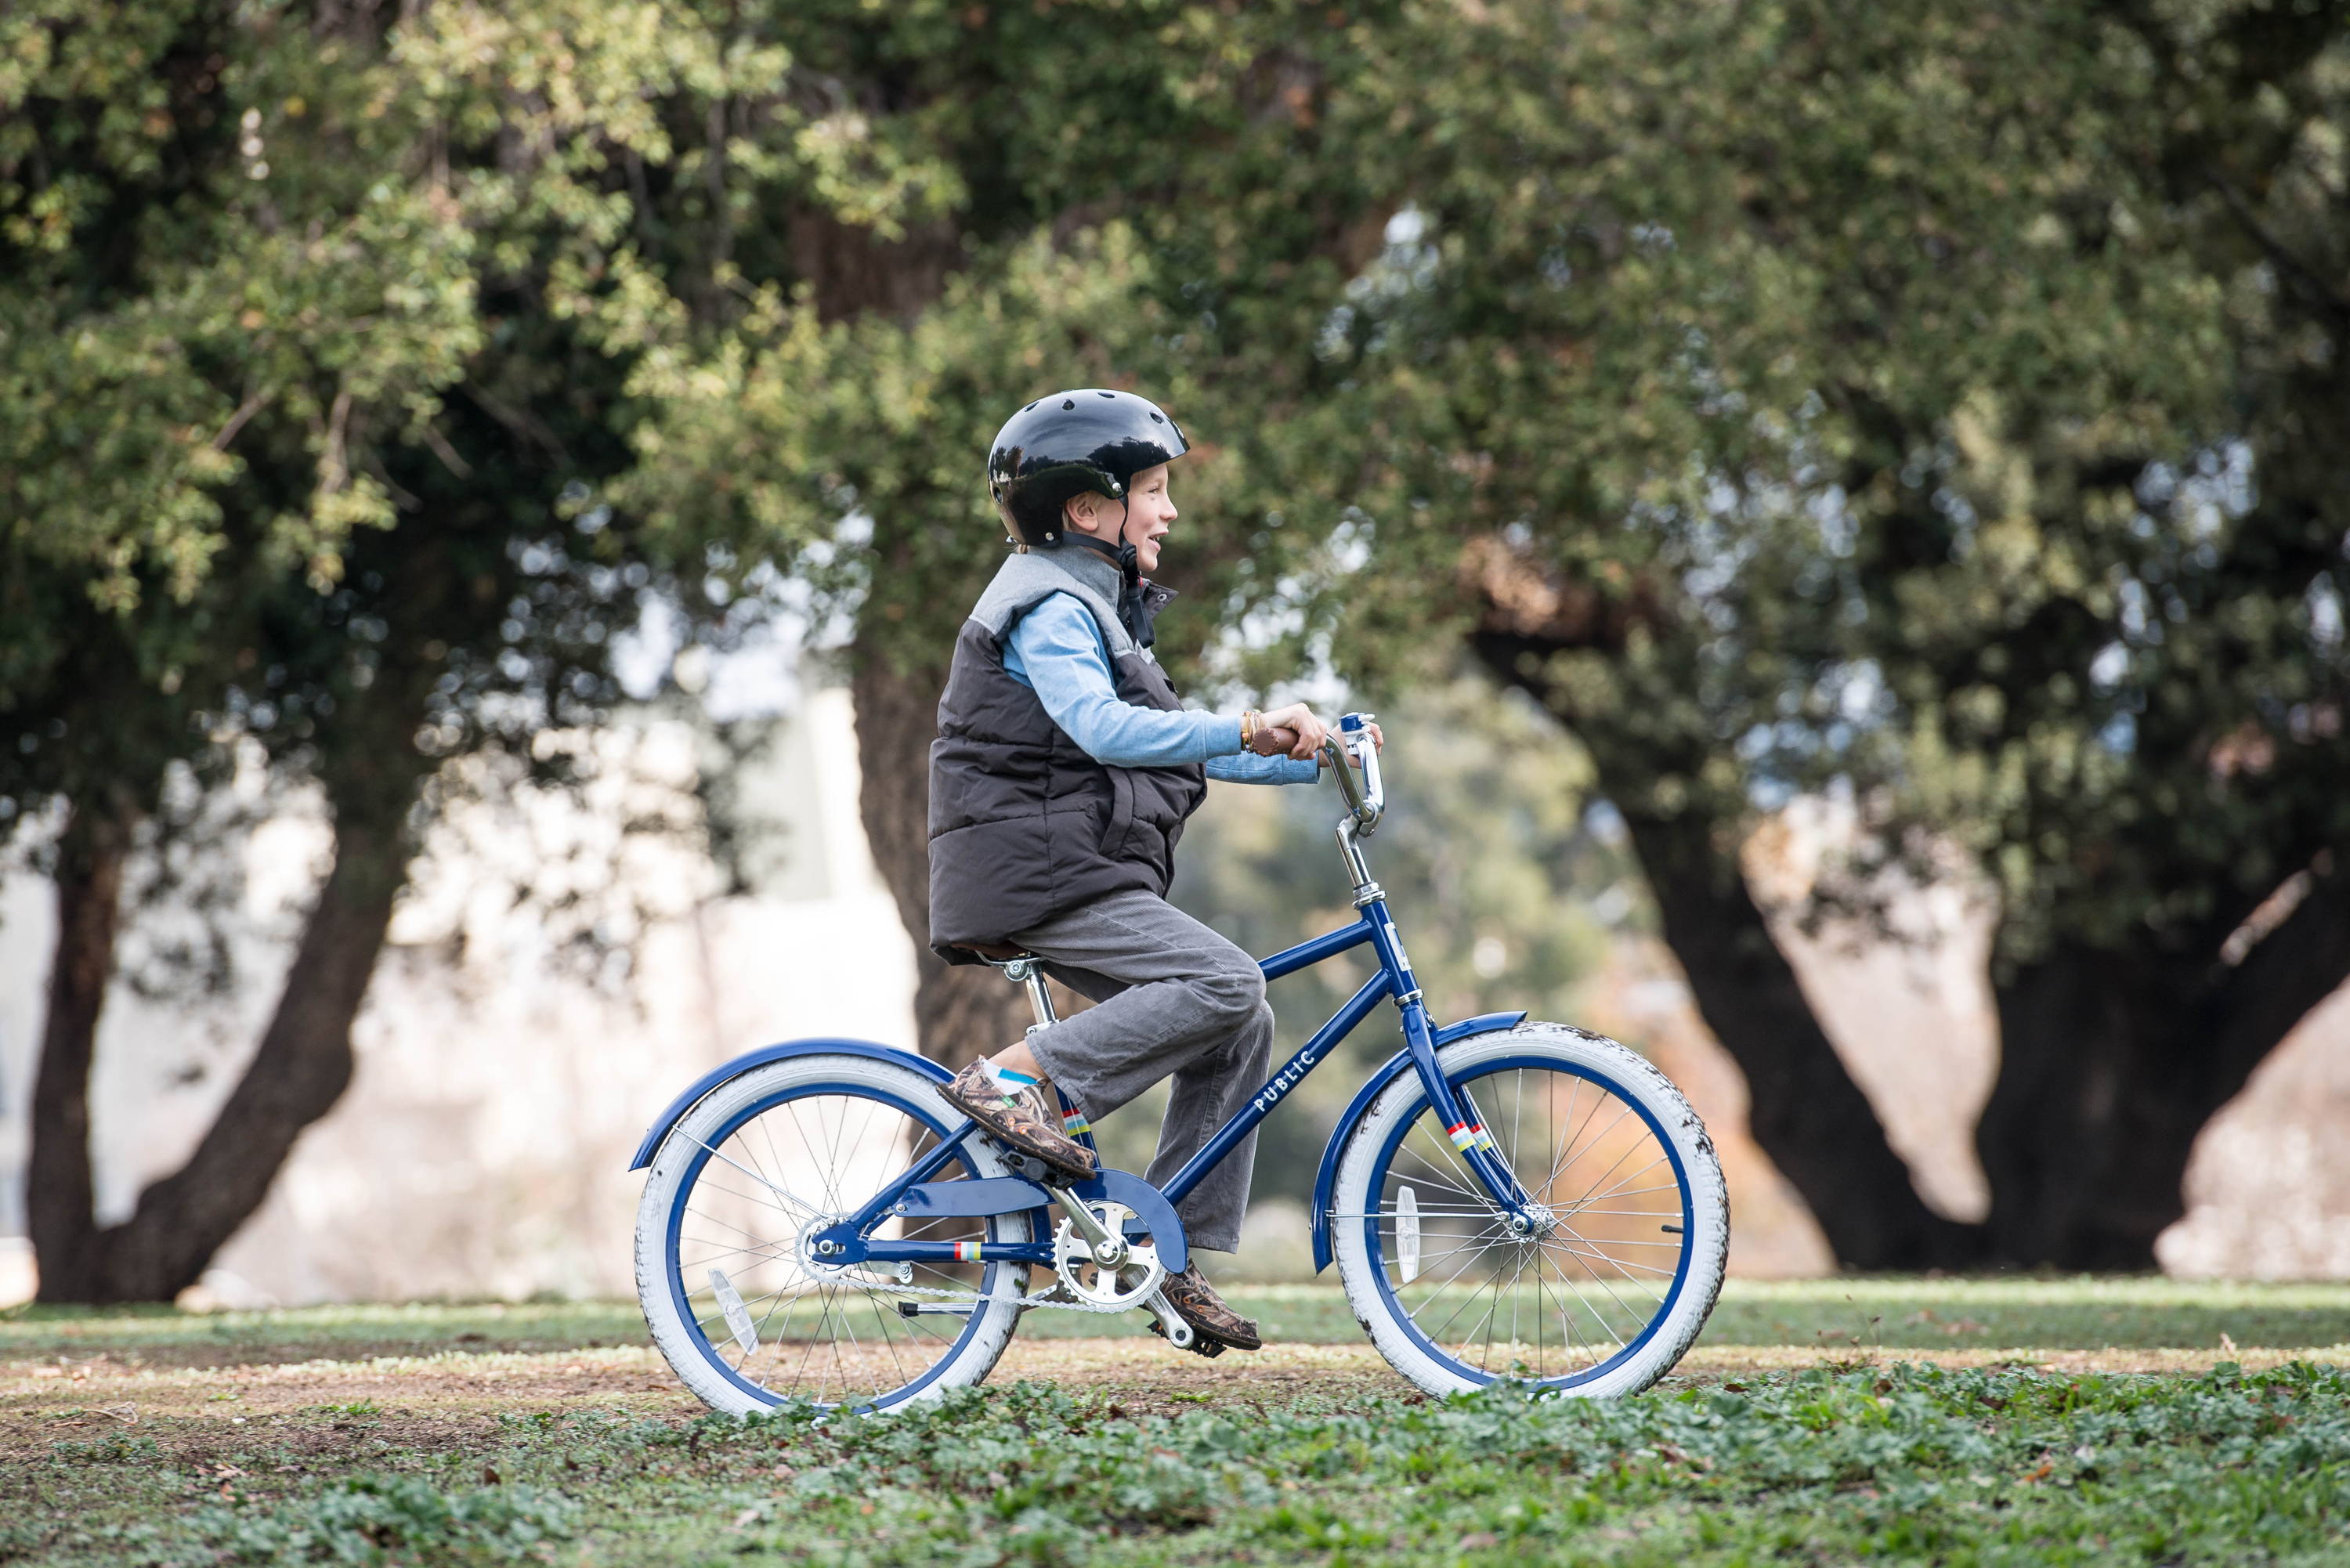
point(871, 432)
point(367, 1519)
point(1909, 1463)
point(1893, 397)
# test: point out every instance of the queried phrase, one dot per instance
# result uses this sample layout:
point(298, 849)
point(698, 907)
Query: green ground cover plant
point(1836, 1463)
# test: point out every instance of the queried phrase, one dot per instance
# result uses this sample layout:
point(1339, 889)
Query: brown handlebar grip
point(1273, 741)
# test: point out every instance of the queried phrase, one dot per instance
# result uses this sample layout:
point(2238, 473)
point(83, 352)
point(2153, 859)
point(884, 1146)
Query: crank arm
point(1109, 1251)
point(1179, 1333)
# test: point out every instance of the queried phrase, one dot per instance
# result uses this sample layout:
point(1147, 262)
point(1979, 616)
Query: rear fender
point(1393, 1068)
point(779, 1052)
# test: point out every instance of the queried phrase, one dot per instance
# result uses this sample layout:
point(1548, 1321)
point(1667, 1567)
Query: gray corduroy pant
point(1171, 999)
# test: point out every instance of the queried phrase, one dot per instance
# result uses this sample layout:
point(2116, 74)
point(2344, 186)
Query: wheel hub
point(821, 1258)
point(1114, 1284)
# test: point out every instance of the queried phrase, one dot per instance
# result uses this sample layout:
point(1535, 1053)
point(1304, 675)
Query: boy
point(1063, 771)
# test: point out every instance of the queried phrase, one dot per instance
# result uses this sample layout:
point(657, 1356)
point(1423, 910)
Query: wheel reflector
point(1408, 1234)
point(738, 1316)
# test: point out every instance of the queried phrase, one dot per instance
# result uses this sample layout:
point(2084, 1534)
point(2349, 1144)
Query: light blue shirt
point(1056, 651)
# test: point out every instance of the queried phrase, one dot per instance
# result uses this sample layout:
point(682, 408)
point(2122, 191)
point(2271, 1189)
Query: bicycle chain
point(894, 1288)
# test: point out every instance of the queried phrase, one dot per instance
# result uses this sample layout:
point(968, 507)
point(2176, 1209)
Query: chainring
point(1131, 1284)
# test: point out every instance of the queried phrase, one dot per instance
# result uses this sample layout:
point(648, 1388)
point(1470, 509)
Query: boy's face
point(1147, 512)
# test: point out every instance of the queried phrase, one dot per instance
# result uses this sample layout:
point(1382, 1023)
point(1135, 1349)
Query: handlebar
point(1367, 801)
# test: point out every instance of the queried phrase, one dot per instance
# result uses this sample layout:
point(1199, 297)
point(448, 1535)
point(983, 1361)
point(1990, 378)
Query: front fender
point(777, 1052)
point(1400, 1063)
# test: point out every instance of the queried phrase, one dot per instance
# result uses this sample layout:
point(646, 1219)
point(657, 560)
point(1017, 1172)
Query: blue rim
point(1403, 1127)
point(702, 1154)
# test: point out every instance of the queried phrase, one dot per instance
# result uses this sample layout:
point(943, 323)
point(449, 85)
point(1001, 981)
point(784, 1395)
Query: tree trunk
point(301, 1069)
point(960, 1010)
point(60, 1194)
point(2112, 1064)
point(1804, 1109)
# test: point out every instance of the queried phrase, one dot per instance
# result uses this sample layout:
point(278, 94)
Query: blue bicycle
point(1504, 1199)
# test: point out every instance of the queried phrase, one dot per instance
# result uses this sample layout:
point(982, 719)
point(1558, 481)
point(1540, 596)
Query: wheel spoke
point(1487, 1299)
point(744, 1204)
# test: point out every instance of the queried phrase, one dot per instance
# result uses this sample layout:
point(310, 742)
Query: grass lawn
point(1950, 1421)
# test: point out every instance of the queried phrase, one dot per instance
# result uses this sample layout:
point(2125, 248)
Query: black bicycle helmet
point(1067, 445)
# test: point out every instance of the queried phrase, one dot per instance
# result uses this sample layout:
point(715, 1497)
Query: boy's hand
point(1311, 731)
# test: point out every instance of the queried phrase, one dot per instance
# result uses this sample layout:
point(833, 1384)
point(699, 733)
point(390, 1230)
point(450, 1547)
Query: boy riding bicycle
point(1063, 771)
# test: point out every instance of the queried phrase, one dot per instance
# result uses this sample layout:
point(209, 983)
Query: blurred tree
point(1925, 403)
point(317, 326)
point(365, 374)
point(1120, 194)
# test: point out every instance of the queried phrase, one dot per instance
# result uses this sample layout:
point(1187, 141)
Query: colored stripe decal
point(967, 1251)
point(1073, 1123)
point(1470, 1135)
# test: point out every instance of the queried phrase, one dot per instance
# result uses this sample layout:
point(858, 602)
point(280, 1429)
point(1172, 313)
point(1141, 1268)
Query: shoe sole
point(1018, 1145)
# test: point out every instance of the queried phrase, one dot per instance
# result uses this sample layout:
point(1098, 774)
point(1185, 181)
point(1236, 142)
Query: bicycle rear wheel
point(746, 1314)
point(1610, 1285)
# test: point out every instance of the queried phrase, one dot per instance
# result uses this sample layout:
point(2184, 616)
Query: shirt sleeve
point(1056, 650)
point(1249, 768)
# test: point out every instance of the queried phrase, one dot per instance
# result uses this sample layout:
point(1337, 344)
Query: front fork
point(1463, 1125)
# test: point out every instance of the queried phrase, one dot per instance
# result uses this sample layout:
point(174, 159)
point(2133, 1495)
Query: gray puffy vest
point(1024, 824)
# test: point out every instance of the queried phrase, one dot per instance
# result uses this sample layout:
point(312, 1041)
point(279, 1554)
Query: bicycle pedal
point(1201, 1344)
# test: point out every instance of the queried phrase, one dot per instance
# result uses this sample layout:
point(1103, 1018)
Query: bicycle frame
point(1394, 981)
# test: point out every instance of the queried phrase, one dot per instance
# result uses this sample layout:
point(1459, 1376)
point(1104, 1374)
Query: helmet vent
point(1158, 418)
point(1069, 403)
point(1105, 394)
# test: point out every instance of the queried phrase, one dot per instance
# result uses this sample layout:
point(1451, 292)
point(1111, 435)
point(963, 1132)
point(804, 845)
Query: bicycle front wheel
point(1607, 1287)
point(746, 1314)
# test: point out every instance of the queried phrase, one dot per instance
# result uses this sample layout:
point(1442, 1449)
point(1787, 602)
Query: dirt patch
point(201, 1355)
point(452, 1400)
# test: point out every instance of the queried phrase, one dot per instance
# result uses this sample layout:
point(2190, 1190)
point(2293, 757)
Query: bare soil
point(454, 1399)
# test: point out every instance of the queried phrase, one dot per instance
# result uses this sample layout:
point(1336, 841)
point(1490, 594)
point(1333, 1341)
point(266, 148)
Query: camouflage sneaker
point(1013, 1115)
point(1205, 1310)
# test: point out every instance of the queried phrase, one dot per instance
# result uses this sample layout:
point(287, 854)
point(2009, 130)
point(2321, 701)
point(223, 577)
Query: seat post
point(1030, 971)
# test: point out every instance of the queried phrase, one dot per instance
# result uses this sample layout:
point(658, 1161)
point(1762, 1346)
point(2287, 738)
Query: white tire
point(1620, 1318)
point(756, 1157)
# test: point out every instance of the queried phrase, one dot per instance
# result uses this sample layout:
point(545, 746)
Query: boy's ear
point(1079, 509)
